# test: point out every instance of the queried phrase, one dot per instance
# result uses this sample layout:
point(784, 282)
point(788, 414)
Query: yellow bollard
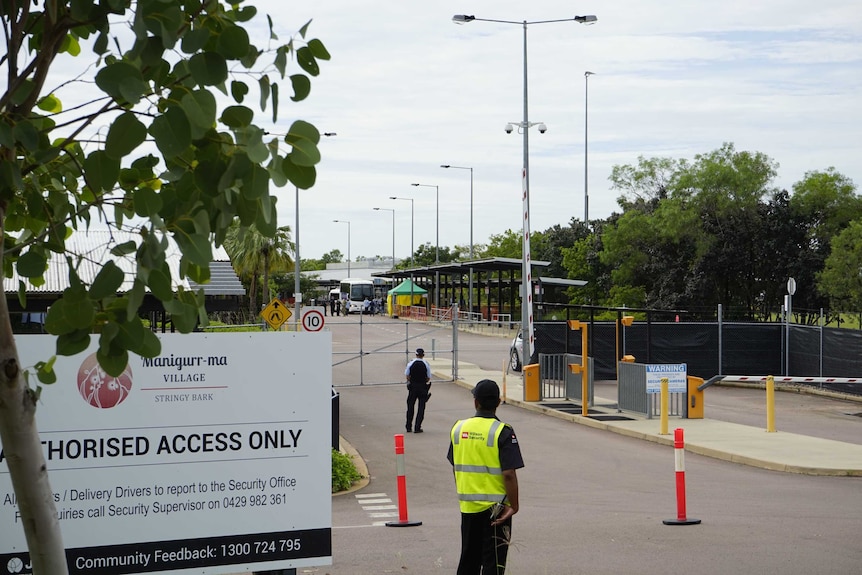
point(770, 404)
point(665, 407)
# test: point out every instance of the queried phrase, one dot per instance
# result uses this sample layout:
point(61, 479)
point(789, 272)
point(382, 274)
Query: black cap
point(420, 351)
point(486, 389)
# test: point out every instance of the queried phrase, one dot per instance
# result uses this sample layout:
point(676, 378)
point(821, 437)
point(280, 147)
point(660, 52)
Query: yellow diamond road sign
point(276, 313)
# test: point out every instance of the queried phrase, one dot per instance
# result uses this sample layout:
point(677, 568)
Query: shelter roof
point(481, 265)
point(95, 247)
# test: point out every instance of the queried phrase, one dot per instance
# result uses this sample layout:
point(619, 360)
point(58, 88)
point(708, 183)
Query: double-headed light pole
point(524, 126)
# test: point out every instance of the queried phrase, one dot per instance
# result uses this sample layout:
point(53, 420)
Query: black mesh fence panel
point(746, 348)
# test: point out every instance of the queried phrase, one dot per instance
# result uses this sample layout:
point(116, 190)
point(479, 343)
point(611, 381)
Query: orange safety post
point(402, 486)
point(679, 459)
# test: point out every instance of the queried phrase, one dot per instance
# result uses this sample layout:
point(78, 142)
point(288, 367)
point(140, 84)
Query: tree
point(156, 151)
point(505, 245)
point(841, 278)
point(255, 255)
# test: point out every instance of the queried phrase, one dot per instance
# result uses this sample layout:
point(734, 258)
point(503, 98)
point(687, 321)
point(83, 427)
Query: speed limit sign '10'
point(312, 320)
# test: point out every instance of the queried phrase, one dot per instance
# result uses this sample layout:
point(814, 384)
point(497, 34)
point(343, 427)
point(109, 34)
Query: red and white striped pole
point(679, 458)
point(402, 486)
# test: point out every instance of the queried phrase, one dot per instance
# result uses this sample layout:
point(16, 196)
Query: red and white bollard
point(679, 458)
point(402, 486)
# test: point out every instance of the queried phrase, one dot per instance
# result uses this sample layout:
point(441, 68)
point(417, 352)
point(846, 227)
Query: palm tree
point(253, 254)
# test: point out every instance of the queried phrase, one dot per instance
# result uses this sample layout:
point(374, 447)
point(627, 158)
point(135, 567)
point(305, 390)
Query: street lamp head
point(445, 166)
point(589, 19)
point(375, 208)
point(328, 134)
point(462, 18)
point(414, 184)
point(588, 73)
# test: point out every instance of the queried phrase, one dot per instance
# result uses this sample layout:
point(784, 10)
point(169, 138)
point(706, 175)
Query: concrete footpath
point(777, 451)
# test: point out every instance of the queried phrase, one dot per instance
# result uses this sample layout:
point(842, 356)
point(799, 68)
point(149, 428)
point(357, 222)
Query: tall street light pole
point(470, 298)
point(412, 262)
point(587, 75)
point(411, 225)
point(393, 231)
point(297, 294)
point(437, 249)
point(526, 269)
point(348, 242)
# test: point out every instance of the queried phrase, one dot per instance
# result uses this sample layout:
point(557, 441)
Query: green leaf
point(208, 69)
point(318, 49)
point(256, 183)
point(306, 61)
point(124, 249)
point(32, 264)
point(148, 346)
point(195, 40)
point(303, 138)
point(245, 13)
point(122, 82)
point(159, 282)
point(200, 107)
point(107, 282)
point(236, 116)
point(251, 139)
point(263, 82)
point(147, 202)
point(238, 90)
point(51, 104)
point(233, 43)
point(101, 171)
point(27, 134)
point(112, 359)
point(301, 87)
point(45, 371)
point(124, 135)
point(70, 45)
point(274, 103)
point(302, 177)
point(172, 132)
point(67, 316)
point(72, 343)
point(281, 60)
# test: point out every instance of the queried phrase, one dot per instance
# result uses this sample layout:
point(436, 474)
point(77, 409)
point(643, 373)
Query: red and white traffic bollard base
point(679, 456)
point(402, 486)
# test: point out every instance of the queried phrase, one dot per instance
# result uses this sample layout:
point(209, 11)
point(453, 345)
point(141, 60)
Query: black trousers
point(483, 548)
point(416, 391)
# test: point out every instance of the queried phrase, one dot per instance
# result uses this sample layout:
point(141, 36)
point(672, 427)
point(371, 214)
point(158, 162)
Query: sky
point(407, 90)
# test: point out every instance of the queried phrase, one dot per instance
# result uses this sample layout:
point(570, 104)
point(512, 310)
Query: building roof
point(95, 247)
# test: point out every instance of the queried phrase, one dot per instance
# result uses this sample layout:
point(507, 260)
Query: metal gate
point(557, 380)
point(369, 350)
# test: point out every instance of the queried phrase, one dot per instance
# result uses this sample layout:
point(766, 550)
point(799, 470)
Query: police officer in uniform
point(484, 453)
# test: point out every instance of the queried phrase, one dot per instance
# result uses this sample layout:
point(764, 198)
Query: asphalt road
point(591, 501)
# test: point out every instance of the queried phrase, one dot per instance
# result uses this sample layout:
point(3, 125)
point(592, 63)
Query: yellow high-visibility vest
point(478, 476)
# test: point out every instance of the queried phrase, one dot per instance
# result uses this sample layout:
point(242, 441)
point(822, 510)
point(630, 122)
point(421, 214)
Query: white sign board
point(212, 458)
point(677, 380)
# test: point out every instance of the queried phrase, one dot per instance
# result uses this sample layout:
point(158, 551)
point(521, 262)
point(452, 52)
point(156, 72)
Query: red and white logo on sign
point(100, 389)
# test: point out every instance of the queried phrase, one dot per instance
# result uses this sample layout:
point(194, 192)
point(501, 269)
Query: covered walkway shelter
point(496, 287)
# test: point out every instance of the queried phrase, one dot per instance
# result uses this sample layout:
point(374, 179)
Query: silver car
point(516, 352)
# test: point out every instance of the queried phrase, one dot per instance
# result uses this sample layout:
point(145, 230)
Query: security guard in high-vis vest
point(484, 453)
